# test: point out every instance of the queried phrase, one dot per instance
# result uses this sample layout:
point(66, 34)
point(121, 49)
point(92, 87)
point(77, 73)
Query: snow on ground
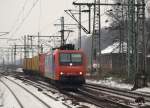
point(51, 102)
point(144, 90)
point(85, 104)
point(28, 100)
point(26, 97)
point(110, 83)
point(7, 100)
point(114, 48)
point(19, 70)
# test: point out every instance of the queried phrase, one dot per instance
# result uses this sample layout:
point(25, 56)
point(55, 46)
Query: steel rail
point(110, 102)
point(41, 87)
point(119, 91)
point(17, 99)
point(30, 93)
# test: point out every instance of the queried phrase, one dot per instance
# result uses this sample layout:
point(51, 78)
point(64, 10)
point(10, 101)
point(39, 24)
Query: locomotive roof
point(64, 51)
point(68, 51)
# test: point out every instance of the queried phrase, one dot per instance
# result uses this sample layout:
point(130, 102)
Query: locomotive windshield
point(67, 58)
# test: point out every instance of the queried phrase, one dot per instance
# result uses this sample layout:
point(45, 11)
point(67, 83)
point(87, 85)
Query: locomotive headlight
point(80, 73)
point(61, 73)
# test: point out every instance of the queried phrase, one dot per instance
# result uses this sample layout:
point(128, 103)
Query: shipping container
point(28, 64)
point(24, 64)
point(42, 64)
point(35, 64)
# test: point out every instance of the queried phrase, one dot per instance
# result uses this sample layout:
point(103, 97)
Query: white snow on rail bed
point(114, 84)
point(7, 100)
point(144, 90)
point(19, 70)
point(110, 83)
point(50, 101)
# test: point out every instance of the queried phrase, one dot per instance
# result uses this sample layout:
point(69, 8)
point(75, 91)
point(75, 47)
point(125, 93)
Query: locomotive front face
point(72, 66)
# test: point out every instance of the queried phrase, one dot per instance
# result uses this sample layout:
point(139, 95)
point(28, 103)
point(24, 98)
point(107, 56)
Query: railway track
point(93, 94)
point(121, 92)
point(110, 101)
point(120, 97)
point(35, 96)
point(83, 95)
point(13, 93)
point(46, 89)
point(29, 92)
point(90, 98)
point(75, 96)
point(65, 94)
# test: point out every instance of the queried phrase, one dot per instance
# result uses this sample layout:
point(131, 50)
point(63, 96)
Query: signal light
point(80, 73)
point(61, 73)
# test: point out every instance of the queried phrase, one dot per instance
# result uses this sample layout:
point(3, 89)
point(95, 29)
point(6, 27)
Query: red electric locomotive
point(64, 65)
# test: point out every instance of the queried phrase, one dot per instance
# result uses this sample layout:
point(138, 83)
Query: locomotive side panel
point(49, 67)
point(42, 64)
point(56, 66)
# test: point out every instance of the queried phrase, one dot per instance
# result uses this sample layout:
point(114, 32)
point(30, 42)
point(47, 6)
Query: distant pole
point(89, 6)
point(132, 52)
point(15, 54)
point(38, 42)
point(21, 59)
point(62, 31)
point(12, 55)
point(8, 56)
point(92, 39)
point(79, 37)
point(99, 56)
point(31, 44)
point(3, 61)
point(41, 48)
point(28, 47)
point(25, 56)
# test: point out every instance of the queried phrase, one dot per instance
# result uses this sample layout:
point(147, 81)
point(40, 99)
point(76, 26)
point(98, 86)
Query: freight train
point(63, 65)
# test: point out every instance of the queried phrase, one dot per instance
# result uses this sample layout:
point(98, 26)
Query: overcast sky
point(15, 17)
point(22, 17)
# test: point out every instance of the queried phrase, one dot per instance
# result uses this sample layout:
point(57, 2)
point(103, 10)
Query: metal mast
point(79, 33)
point(92, 38)
point(98, 27)
point(96, 30)
point(141, 77)
point(132, 52)
point(136, 43)
point(62, 31)
point(140, 32)
point(96, 49)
